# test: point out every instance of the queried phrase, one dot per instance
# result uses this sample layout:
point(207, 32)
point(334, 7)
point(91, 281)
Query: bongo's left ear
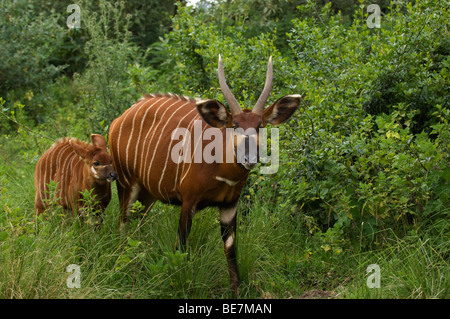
point(280, 111)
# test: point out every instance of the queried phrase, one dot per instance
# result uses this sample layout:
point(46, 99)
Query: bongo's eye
point(96, 163)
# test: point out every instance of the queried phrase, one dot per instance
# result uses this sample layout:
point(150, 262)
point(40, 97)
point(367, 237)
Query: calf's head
point(247, 123)
point(96, 158)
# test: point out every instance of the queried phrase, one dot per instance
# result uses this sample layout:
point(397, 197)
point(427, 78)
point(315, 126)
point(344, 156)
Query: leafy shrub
point(412, 66)
point(192, 50)
point(368, 161)
point(30, 38)
point(104, 86)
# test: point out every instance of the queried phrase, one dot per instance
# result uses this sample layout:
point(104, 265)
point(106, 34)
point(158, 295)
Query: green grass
point(277, 257)
point(410, 268)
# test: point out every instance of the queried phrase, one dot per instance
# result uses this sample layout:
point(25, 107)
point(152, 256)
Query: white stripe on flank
point(193, 153)
point(143, 150)
point(122, 120)
point(115, 154)
point(70, 172)
point(168, 149)
point(140, 133)
point(146, 175)
point(48, 170)
point(161, 132)
point(38, 181)
point(60, 163)
point(131, 137)
point(126, 114)
point(189, 128)
point(63, 174)
point(114, 147)
point(49, 163)
point(47, 173)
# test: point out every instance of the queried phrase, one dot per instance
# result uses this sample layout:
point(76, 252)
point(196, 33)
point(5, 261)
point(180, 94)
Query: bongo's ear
point(80, 150)
point(98, 141)
point(214, 113)
point(280, 111)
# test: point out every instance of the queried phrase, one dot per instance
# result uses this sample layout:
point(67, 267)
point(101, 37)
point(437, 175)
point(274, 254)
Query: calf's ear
point(80, 150)
point(98, 141)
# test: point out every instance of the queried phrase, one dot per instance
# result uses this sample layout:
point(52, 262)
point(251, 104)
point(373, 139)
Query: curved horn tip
point(229, 97)
point(259, 106)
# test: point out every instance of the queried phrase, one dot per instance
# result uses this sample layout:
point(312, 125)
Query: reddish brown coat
point(141, 144)
point(75, 166)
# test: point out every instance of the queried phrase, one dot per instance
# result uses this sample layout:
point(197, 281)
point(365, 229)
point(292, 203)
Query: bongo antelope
point(141, 143)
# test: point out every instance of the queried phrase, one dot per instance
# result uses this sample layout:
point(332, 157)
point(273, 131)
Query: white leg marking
point(132, 198)
point(229, 242)
point(227, 214)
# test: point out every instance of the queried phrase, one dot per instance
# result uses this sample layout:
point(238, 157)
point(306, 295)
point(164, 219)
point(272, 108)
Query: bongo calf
point(75, 166)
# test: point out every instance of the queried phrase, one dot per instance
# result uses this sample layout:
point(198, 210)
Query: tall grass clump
point(410, 268)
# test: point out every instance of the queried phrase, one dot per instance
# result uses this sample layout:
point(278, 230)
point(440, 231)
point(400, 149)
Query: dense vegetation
point(364, 164)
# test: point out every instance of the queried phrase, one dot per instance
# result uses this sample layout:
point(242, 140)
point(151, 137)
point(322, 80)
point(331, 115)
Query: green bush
point(192, 50)
point(29, 40)
point(362, 167)
point(105, 84)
